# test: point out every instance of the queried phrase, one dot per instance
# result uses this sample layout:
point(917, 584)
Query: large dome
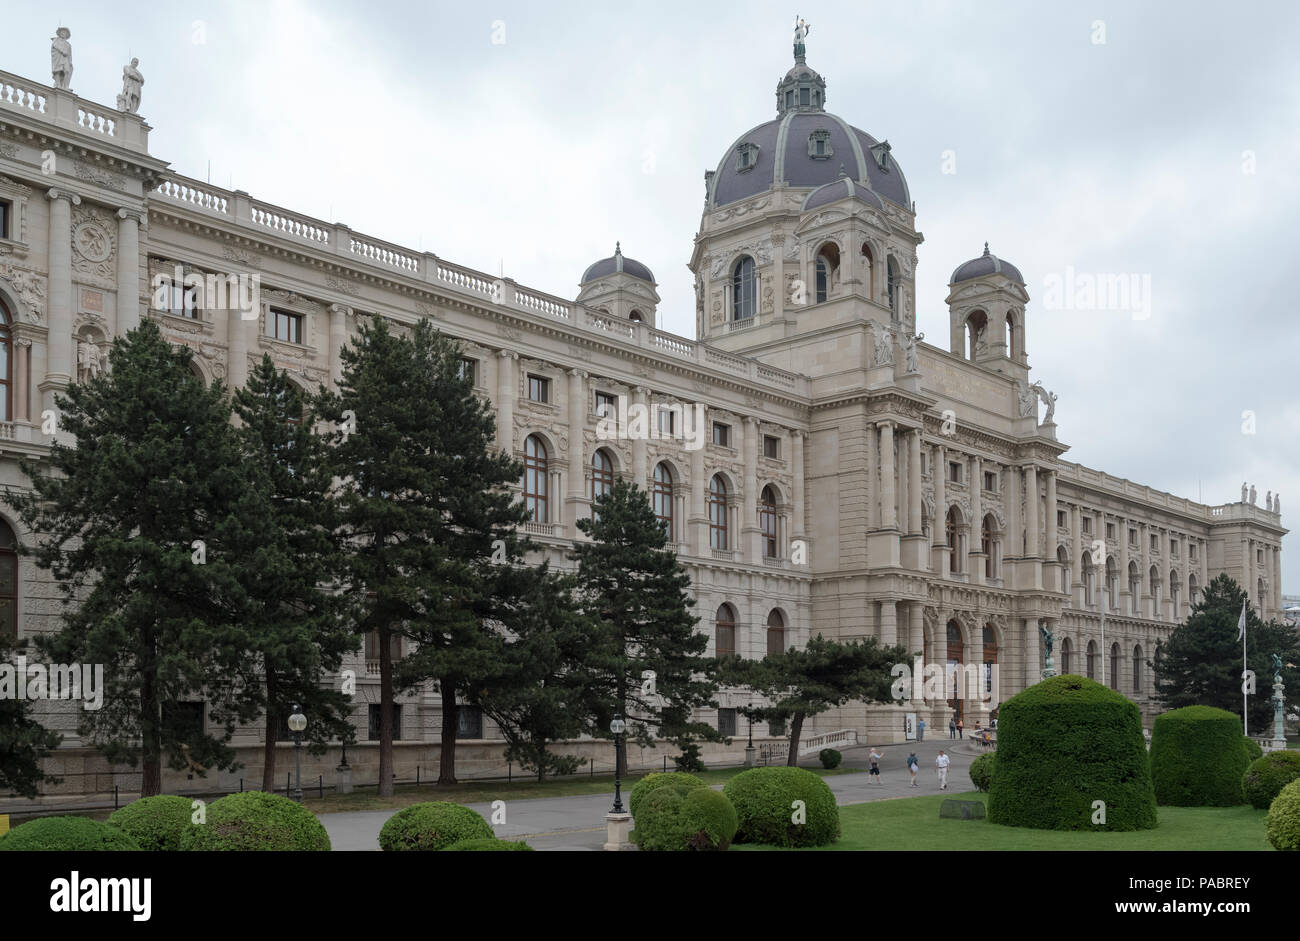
point(805, 146)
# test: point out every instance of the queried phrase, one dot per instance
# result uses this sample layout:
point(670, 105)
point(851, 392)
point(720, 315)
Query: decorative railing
point(539, 529)
point(97, 121)
point(382, 254)
point(7, 430)
point(188, 193)
point(542, 304)
point(20, 96)
point(465, 278)
point(815, 743)
point(298, 227)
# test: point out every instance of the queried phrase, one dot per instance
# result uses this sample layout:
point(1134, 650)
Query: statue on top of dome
point(801, 31)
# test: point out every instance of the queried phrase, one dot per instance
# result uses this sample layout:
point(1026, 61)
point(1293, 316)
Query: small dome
point(615, 264)
point(843, 188)
point(985, 265)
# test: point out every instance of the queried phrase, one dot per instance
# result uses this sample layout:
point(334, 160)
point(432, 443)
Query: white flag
point(1241, 623)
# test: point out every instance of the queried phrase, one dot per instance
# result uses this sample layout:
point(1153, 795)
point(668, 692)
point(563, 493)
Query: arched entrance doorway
point(952, 668)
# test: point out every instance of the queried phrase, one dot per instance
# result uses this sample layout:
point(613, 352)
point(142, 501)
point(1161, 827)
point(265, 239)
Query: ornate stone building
point(820, 468)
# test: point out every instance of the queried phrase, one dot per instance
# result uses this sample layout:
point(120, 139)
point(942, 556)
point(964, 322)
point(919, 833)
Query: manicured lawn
point(912, 823)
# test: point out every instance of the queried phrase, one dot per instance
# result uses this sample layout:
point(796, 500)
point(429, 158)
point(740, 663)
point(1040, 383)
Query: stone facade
point(859, 482)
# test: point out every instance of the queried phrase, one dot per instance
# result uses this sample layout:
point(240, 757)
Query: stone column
point(1248, 546)
point(1076, 553)
point(888, 623)
point(939, 466)
point(778, 275)
point(916, 632)
point(888, 506)
point(238, 332)
point(577, 495)
point(698, 521)
point(1032, 531)
point(1049, 523)
point(747, 499)
point(1277, 579)
point(797, 498)
point(1125, 595)
point(1144, 572)
point(338, 339)
point(641, 403)
point(22, 387)
point(874, 508)
point(1015, 538)
point(507, 381)
point(1033, 653)
point(128, 270)
point(976, 486)
point(914, 482)
point(60, 365)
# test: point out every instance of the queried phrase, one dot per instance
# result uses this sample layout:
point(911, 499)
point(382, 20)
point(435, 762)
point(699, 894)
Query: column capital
point(751, 420)
point(576, 373)
point(54, 193)
point(507, 354)
point(342, 309)
point(885, 423)
point(132, 215)
point(22, 341)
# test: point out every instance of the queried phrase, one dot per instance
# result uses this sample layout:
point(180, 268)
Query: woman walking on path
point(960, 726)
point(913, 765)
point(875, 757)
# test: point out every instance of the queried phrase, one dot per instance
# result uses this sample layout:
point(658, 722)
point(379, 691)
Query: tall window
point(372, 647)
point(1091, 659)
point(767, 522)
point(869, 275)
point(987, 546)
point(726, 632)
point(954, 556)
point(469, 722)
point(602, 475)
point(891, 273)
point(606, 405)
point(661, 497)
point(1063, 559)
point(828, 260)
point(717, 512)
point(8, 583)
point(1137, 669)
point(535, 472)
point(775, 632)
point(4, 219)
point(288, 327)
point(990, 658)
point(744, 289)
point(539, 389)
point(1114, 666)
point(727, 722)
point(1066, 649)
point(1011, 336)
point(376, 717)
point(6, 359)
point(956, 654)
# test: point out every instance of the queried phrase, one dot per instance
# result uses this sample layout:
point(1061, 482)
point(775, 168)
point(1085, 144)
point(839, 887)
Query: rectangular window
point(776, 728)
point(1110, 530)
point(469, 722)
point(1060, 519)
point(288, 327)
point(925, 464)
point(6, 210)
point(721, 435)
point(372, 648)
point(1173, 547)
point(667, 420)
point(771, 447)
point(954, 471)
point(1087, 525)
point(1132, 537)
point(376, 719)
point(469, 370)
point(1155, 543)
point(990, 481)
point(1259, 556)
point(539, 389)
point(727, 721)
point(606, 405)
point(1191, 551)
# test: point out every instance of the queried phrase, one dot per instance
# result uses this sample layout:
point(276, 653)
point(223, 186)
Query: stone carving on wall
point(90, 359)
point(767, 297)
point(239, 257)
point(792, 250)
point(884, 345)
point(93, 242)
point(9, 150)
point(30, 288)
point(96, 175)
point(1026, 397)
point(909, 350)
point(339, 284)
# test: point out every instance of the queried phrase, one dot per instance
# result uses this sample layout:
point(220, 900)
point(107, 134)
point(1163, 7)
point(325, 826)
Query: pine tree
point(24, 742)
point(425, 506)
point(1200, 663)
point(645, 662)
point(128, 521)
point(803, 683)
point(285, 541)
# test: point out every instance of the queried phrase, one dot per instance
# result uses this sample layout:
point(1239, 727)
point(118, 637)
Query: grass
point(912, 823)
point(476, 792)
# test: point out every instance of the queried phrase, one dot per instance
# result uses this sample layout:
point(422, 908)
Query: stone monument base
point(617, 828)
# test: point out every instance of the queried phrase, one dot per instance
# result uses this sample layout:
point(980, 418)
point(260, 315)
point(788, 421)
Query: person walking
point(913, 765)
point(960, 726)
point(941, 767)
point(874, 773)
point(920, 730)
point(952, 728)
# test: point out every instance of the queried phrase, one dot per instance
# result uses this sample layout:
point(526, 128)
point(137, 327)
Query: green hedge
point(830, 758)
point(1063, 745)
point(1197, 757)
point(489, 846)
point(66, 835)
point(657, 780)
point(981, 771)
point(764, 801)
point(1283, 822)
point(433, 825)
point(256, 820)
point(1253, 750)
point(683, 818)
point(156, 823)
point(1266, 777)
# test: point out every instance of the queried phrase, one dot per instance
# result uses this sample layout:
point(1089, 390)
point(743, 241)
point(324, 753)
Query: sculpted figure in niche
point(129, 100)
point(909, 349)
point(61, 58)
point(89, 360)
point(884, 345)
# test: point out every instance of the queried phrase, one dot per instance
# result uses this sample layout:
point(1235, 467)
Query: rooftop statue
point(801, 31)
point(61, 58)
point(129, 100)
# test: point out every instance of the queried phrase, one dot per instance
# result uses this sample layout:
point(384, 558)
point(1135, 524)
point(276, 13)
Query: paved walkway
point(578, 823)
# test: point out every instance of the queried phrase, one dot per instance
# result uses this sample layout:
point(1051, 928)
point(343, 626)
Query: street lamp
point(297, 722)
point(617, 727)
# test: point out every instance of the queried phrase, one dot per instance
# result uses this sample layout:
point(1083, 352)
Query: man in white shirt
point(941, 766)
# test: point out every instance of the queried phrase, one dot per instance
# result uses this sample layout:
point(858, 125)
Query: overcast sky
point(1153, 139)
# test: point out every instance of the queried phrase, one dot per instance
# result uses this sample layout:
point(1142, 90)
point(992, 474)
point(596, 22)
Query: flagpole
point(1241, 629)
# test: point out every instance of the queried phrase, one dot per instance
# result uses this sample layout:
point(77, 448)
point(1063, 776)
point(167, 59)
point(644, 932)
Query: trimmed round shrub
point(981, 771)
point(764, 801)
point(1064, 744)
point(433, 825)
point(1197, 757)
point(830, 758)
point(156, 823)
point(66, 835)
point(655, 781)
point(1253, 749)
point(677, 819)
point(487, 846)
point(256, 820)
point(1266, 777)
point(1282, 825)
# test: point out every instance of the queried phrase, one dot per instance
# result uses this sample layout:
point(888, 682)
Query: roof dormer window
point(746, 157)
point(819, 145)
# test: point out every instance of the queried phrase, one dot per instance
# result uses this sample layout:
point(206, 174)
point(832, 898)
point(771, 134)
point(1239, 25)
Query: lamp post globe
point(297, 723)
point(617, 726)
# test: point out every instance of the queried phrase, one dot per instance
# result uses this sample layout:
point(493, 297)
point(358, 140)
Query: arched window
point(1063, 559)
point(661, 497)
point(726, 632)
point(8, 583)
point(1114, 667)
point(718, 513)
point(1066, 649)
point(744, 289)
point(602, 475)
point(989, 546)
point(636, 315)
point(535, 478)
point(1192, 589)
point(1134, 587)
point(1112, 583)
point(977, 327)
point(1137, 669)
point(952, 533)
point(775, 632)
point(893, 286)
point(1086, 567)
point(1011, 336)
point(767, 522)
point(828, 262)
point(990, 658)
point(6, 361)
point(955, 655)
point(869, 275)
point(1091, 659)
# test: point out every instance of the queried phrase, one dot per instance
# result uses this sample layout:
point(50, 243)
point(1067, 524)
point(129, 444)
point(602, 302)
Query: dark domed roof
point(984, 265)
point(842, 188)
point(616, 263)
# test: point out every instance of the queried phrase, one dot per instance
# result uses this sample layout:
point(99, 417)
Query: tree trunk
point(385, 787)
point(447, 747)
point(272, 730)
point(150, 738)
point(796, 728)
